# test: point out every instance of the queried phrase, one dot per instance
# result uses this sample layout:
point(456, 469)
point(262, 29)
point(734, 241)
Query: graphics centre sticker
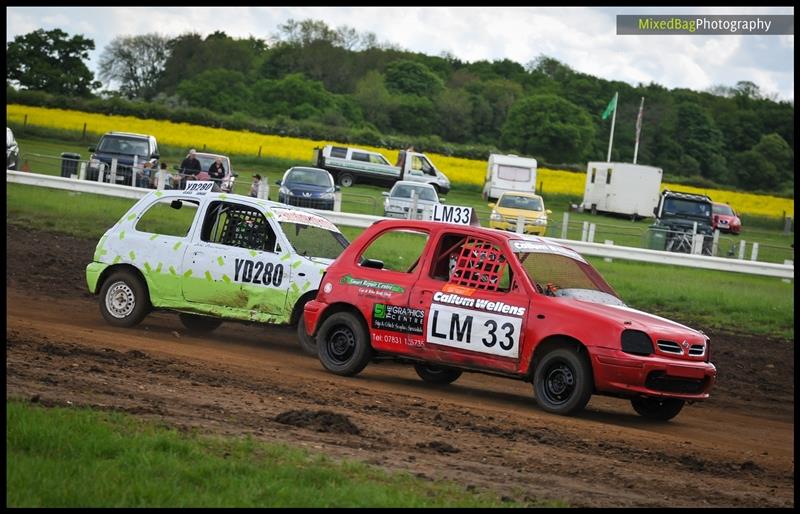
point(397, 318)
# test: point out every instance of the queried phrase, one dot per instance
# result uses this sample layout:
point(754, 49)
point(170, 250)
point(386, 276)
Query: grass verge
point(74, 457)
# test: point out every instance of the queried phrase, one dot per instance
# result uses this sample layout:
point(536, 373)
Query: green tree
point(293, 95)
point(550, 127)
point(220, 90)
point(375, 100)
point(700, 138)
point(408, 77)
point(454, 110)
point(136, 63)
point(51, 61)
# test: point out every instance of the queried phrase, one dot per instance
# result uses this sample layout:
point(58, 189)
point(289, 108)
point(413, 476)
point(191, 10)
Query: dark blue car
point(125, 147)
point(307, 187)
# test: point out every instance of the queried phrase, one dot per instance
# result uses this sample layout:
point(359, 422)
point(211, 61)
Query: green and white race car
point(213, 257)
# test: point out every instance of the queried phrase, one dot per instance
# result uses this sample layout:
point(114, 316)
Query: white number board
point(453, 214)
point(474, 330)
point(198, 187)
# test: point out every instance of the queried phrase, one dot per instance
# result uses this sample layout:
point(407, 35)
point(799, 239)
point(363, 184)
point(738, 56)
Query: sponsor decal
point(303, 218)
point(397, 318)
point(540, 246)
point(362, 282)
point(478, 303)
point(374, 293)
point(328, 287)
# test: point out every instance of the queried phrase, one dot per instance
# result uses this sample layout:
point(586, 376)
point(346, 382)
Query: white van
point(509, 173)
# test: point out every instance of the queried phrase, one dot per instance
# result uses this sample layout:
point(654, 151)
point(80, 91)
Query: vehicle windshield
point(207, 161)
point(310, 177)
point(679, 207)
point(558, 275)
point(311, 241)
point(521, 202)
point(123, 145)
point(423, 193)
point(723, 209)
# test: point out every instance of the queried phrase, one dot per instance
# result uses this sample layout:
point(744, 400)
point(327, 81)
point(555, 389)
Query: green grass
point(705, 298)
point(774, 246)
point(749, 303)
point(70, 457)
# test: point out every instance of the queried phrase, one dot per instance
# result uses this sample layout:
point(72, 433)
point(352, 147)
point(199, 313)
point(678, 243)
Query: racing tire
point(197, 324)
point(343, 344)
point(346, 179)
point(440, 375)
point(562, 381)
point(659, 409)
point(124, 301)
point(308, 343)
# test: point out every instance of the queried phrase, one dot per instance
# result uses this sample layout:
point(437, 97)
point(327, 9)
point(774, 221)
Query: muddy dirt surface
point(483, 432)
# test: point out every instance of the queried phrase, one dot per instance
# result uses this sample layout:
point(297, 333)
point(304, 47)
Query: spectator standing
point(255, 186)
point(169, 179)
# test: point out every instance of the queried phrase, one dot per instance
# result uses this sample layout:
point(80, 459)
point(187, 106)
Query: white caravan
point(622, 188)
point(509, 173)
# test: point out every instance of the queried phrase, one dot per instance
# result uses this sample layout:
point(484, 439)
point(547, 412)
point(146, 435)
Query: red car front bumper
point(632, 375)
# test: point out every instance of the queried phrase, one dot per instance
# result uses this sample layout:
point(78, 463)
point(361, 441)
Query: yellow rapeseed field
point(459, 170)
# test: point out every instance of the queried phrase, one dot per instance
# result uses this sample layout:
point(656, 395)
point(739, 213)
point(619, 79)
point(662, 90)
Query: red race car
point(451, 298)
point(725, 218)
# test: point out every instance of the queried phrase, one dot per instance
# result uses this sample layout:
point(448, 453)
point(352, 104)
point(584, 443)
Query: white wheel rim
point(120, 300)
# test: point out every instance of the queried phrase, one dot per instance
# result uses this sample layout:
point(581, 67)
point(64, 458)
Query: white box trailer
point(509, 173)
point(622, 188)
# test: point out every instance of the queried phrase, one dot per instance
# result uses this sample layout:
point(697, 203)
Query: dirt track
point(484, 432)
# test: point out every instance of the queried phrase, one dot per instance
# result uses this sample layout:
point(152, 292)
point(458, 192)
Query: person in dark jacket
point(217, 171)
point(191, 164)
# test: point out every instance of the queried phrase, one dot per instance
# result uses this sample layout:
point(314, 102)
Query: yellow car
point(510, 206)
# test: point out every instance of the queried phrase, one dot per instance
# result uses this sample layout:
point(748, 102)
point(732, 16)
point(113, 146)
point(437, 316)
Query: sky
point(584, 38)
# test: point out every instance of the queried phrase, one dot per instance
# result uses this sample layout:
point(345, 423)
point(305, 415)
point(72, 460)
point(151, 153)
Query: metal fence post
point(133, 170)
point(610, 243)
point(564, 225)
point(412, 211)
point(754, 252)
point(787, 225)
point(585, 231)
point(788, 262)
point(715, 243)
point(337, 201)
point(113, 177)
point(520, 224)
point(697, 243)
point(161, 182)
point(592, 227)
point(263, 190)
point(82, 171)
point(742, 246)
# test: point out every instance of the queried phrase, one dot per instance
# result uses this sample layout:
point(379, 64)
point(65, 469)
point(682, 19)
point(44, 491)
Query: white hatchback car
point(401, 199)
point(213, 257)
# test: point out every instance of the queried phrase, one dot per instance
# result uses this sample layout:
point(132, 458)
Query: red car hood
point(656, 326)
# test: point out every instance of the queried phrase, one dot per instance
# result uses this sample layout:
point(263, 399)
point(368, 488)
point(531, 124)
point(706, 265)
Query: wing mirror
point(277, 182)
point(337, 188)
point(548, 211)
point(385, 193)
point(491, 205)
point(92, 149)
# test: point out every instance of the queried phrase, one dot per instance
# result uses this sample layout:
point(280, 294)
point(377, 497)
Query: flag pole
point(638, 130)
point(613, 119)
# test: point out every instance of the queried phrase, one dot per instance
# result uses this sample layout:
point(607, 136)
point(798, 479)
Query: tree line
point(339, 80)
